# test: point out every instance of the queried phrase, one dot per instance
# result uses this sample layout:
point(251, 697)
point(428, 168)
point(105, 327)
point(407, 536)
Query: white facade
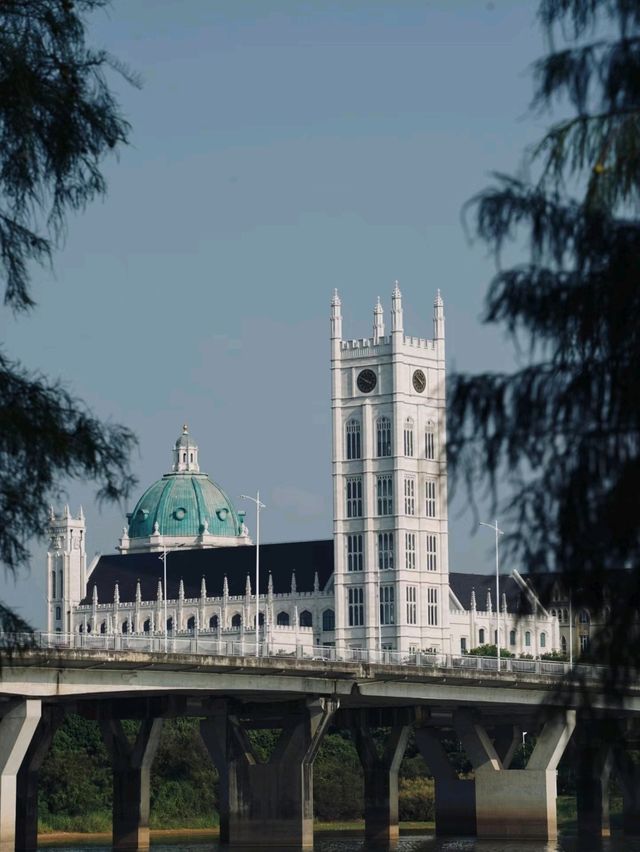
point(390, 589)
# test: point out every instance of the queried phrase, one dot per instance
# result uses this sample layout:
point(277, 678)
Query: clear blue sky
point(279, 150)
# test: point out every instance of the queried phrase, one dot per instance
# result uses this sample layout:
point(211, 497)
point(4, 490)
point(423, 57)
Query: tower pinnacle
point(336, 316)
point(378, 323)
point(396, 310)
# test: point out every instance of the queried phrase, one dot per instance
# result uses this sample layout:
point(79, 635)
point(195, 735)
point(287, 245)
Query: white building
point(382, 583)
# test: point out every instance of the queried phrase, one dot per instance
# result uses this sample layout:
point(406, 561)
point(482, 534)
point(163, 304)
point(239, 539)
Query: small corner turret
point(66, 568)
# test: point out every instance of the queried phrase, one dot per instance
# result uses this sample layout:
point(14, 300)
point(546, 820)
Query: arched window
point(147, 626)
point(563, 644)
point(125, 625)
point(553, 613)
point(283, 619)
point(383, 437)
point(512, 637)
point(306, 619)
point(236, 621)
point(565, 615)
point(169, 625)
point(353, 439)
point(191, 623)
point(213, 622)
point(408, 437)
point(527, 639)
point(184, 457)
point(584, 617)
point(543, 640)
point(481, 636)
point(61, 585)
point(81, 628)
point(88, 627)
point(53, 584)
point(260, 619)
point(430, 441)
point(103, 627)
point(328, 620)
point(191, 459)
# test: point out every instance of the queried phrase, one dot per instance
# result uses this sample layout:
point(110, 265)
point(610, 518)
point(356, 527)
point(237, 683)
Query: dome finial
point(185, 429)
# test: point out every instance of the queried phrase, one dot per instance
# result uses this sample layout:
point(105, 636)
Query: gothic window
point(354, 496)
point(481, 636)
point(563, 644)
point(432, 606)
point(283, 619)
point(147, 626)
point(584, 643)
point(527, 639)
point(191, 457)
point(125, 625)
point(543, 640)
point(260, 619)
point(463, 645)
point(553, 613)
point(412, 605)
point(432, 541)
point(430, 441)
point(356, 606)
point(409, 495)
point(408, 437)
point(169, 625)
point(328, 620)
point(512, 637)
point(410, 551)
point(584, 617)
point(191, 623)
point(88, 627)
point(565, 615)
point(353, 439)
point(384, 491)
point(81, 628)
point(184, 457)
point(385, 551)
point(354, 552)
point(236, 620)
point(430, 495)
point(53, 584)
point(383, 437)
point(387, 605)
point(58, 613)
point(61, 585)
point(103, 627)
point(306, 619)
point(213, 622)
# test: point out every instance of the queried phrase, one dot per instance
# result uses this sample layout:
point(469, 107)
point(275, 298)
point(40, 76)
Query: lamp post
point(259, 505)
point(164, 591)
point(498, 532)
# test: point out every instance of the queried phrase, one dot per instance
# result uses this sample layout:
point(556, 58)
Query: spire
point(94, 598)
point(138, 591)
point(316, 582)
point(489, 608)
point(52, 514)
point(438, 317)
point(67, 513)
point(159, 594)
point(396, 310)
point(270, 585)
point(225, 587)
point(378, 323)
point(336, 317)
point(247, 587)
point(181, 590)
point(293, 583)
point(116, 594)
point(185, 453)
point(81, 514)
point(473, 599)
point(203, 588)
point(504, 602)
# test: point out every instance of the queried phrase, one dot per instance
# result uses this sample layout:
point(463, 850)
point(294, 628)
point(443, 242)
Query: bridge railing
point(216, 645)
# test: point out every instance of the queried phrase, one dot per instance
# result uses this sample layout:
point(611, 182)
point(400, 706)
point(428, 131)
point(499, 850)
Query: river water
point(413, 843)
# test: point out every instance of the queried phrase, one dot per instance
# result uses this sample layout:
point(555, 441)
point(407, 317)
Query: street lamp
point(259, 505)
point(498, 532)
point(164, 590)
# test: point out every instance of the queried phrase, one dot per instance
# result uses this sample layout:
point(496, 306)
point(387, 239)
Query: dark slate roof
point(463, 584)
point(305, 557)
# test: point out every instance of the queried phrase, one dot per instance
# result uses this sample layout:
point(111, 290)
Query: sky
point(278, 150)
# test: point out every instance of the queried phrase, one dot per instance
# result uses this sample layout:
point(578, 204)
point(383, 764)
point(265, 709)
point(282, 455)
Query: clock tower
point(390, 485)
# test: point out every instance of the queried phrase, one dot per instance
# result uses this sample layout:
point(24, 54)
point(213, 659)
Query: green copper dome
point(184, 502)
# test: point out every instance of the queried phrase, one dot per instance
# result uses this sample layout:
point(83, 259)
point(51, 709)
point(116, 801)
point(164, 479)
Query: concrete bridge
point(272, 803)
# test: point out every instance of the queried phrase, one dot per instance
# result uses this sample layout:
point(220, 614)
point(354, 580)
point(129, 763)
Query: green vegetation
point(489, 651)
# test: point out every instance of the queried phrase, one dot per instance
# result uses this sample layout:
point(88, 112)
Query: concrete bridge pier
point(455, 798)
point(594, 763)
point(131, 778)
point(27, 780)
point(514, 803)
point(17, 727)
point(380, 779)
point(628, 775)
point(267, 804)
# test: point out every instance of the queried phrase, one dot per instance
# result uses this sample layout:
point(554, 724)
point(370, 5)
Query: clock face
point(367, 380)
point(419, 381)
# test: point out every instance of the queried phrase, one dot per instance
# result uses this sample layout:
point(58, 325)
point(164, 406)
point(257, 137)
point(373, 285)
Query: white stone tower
point(66, 568)
point(390, 485)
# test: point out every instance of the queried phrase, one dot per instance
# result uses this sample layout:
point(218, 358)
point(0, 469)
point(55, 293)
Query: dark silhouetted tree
point(562, 431)
point(58, 119)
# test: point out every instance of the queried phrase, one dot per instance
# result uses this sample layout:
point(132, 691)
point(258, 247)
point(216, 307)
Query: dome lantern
point(185, 454)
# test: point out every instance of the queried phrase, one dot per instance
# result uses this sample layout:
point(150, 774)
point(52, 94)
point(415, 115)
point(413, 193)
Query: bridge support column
point(27, 780)
point(628, 775)
point(594, 765)
point(516, 802)
point(131, 775)
point(380, 779)
point(455, 798)
point(17, 728)
point(267, 804)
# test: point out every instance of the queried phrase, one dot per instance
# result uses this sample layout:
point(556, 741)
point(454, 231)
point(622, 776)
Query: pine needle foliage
point(58, 119)
point(563, 430)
